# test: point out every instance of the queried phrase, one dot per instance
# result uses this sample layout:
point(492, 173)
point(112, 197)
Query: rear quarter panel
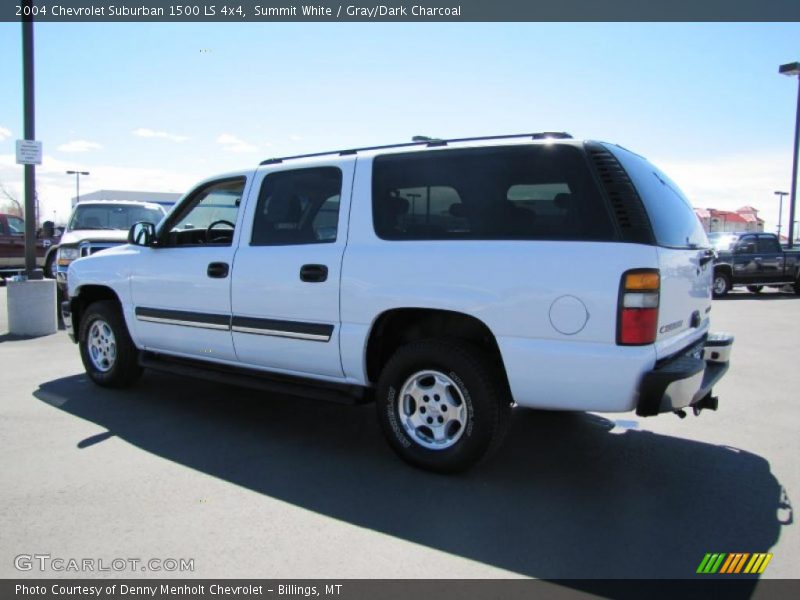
point(524, 291)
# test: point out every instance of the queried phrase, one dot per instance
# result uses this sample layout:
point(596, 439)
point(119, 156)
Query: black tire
point(755, 289)
point(124, 369)
point(721, 285)
point(797, 286)
point(477, 384)
point(50, 265)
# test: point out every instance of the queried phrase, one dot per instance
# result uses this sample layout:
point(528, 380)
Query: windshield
point(112, 216)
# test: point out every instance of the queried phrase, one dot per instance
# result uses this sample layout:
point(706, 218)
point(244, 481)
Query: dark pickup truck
point(755, 260)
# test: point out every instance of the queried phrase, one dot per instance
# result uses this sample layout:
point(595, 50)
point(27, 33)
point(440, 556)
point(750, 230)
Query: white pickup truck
point(446, 279)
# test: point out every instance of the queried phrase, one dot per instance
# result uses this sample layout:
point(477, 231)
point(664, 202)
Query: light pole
point(793, 70)
point(780, 211)
point(77, 183)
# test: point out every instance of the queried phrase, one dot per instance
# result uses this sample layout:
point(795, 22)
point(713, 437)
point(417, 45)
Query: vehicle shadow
point(567, 496)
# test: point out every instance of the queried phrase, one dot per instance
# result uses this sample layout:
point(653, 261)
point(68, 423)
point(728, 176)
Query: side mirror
point(142, 234)
point(748, 248)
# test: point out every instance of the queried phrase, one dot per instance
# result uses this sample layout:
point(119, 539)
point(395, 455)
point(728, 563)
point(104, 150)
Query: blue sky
point(159, 106)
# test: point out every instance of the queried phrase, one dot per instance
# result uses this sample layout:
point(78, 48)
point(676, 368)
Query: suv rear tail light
point(637, 321)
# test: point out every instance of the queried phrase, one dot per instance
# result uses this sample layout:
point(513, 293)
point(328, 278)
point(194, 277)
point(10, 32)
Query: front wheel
point(50, 265)
point(722, 285)
point(107, 351)
point(441, 406)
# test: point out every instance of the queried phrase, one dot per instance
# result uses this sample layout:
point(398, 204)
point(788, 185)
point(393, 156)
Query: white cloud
point(55, 188)
point(80, 146)
point(152, 133)
point(730, 182)
point(231, 143)
point(5, 133)
point(296, 138)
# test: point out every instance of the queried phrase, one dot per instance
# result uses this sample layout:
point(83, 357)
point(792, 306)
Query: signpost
point(29, 152)
point(31, 303)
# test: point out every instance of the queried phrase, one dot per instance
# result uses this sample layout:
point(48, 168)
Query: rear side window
point(522, 192)
point(298, 207)
point(672, 217)
point(768, 245)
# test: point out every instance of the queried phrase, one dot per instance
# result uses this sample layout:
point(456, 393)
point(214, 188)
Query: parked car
point(97, 225)
point(12, 244)
point(755, 260)
point(445, 279)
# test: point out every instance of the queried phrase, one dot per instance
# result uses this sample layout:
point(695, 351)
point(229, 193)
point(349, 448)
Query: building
point(743, 219)
point(165, 199)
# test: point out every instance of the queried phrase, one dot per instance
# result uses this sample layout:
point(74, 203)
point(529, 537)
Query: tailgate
point(685, 304)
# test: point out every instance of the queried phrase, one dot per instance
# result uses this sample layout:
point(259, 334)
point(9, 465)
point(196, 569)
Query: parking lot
point(254, 486)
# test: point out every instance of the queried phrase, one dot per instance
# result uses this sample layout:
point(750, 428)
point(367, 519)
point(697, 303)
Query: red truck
point(12, 245)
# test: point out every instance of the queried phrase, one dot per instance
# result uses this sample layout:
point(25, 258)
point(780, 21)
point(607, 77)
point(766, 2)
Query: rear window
point(768, 245)
point(523, 192)
point(672, 217)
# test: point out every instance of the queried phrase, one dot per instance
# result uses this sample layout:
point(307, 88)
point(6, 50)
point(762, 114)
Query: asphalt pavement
point(247, 484)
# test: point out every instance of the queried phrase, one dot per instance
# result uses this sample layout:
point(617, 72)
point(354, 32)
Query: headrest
point(283, 209)
point(397, 205)
point(562, 200)
point(457, 210)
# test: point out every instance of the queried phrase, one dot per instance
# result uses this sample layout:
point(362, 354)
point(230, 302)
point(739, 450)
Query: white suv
point(446, 279)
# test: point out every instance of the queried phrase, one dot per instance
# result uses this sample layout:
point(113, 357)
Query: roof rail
point(425, 141)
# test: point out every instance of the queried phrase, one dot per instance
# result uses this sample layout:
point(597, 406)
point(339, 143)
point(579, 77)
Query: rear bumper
point(686, 380)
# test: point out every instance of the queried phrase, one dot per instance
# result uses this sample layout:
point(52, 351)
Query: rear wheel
point(755, 289)
point(107, 351)
point(441, 406)
point(722, 285)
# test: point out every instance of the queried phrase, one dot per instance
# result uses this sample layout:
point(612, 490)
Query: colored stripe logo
point(734, 563)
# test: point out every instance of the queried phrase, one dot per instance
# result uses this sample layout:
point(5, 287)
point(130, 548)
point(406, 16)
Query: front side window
point(522, 192)
point(298, 207)
point(210, 216)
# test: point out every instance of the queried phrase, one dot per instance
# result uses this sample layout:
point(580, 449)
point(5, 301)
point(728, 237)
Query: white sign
point(29, 152)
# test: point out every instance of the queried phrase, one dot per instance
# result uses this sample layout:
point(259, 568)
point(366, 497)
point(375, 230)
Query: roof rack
point(425, 141)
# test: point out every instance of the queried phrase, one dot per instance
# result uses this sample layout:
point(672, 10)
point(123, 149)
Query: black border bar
point(266, 11)
point(699, 588)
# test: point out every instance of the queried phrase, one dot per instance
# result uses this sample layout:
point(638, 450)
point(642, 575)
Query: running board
point(259, 380)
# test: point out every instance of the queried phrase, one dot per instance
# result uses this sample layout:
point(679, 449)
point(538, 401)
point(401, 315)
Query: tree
point(10, 203)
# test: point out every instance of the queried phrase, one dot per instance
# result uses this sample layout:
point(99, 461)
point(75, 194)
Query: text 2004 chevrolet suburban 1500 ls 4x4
point(446, 279)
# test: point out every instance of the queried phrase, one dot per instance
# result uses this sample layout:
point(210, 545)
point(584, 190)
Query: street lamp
point(793, 70)
point(780, 210)
point(77, 183)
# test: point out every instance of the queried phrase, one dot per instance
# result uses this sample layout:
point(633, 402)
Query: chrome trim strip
point(287, 334)
point(197, 324)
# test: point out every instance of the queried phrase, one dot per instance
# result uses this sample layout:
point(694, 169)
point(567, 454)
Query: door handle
point(313, 273)
point(218, 270)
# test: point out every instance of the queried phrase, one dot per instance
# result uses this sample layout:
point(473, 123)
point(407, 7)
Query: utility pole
point(793, 70)
point(29, 127)
point(780, 210)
